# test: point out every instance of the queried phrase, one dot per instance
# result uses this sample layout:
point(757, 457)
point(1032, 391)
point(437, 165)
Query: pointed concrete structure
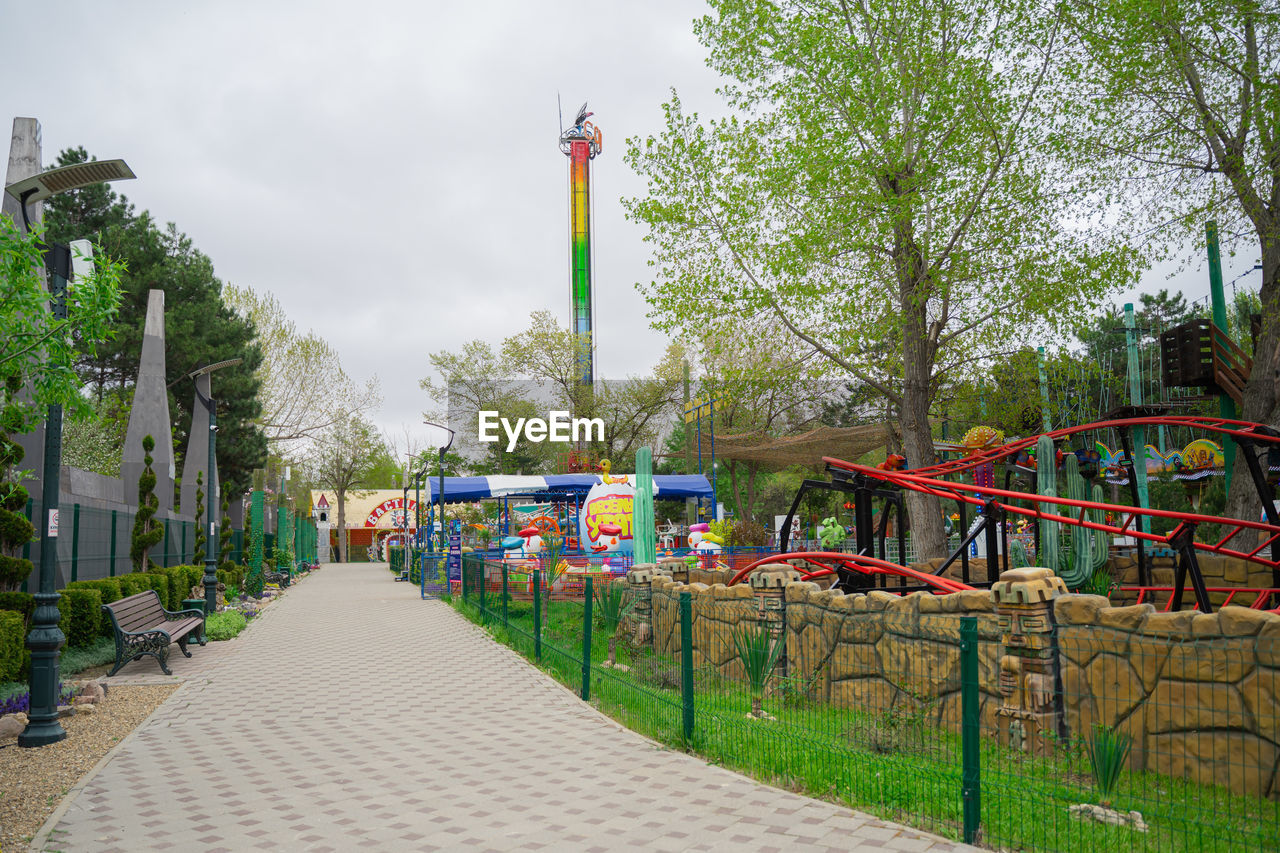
point(150, 414)
point(24, 161)
point(197, 459)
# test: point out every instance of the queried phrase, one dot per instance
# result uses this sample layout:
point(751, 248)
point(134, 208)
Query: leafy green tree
point(147, 532)
point(1185, 97)
point(887, 187)
point(92, 438)
point(200, 327)
point(15, 530)
point(39, 348)
point(344, 461)
point(304, 389)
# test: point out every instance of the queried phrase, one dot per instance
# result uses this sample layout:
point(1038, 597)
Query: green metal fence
point(94, 543)
point(957, 723)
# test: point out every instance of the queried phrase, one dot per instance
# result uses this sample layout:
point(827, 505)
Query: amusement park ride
point(1254, 541)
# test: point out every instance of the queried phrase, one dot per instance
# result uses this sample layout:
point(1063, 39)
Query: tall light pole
point(440, 490)
point(46, 638)
point(215, 485)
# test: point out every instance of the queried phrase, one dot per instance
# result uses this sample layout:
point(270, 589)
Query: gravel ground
point(33, 781)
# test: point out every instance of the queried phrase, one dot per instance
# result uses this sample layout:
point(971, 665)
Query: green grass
point(102, 651)
point(224, 625)
point(896, 764)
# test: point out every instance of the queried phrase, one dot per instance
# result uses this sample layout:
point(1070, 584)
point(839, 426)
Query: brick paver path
point(352, 715)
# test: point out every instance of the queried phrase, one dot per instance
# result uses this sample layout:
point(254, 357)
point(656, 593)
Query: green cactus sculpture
point(1047, 485)
point(1087, 549)
point(1018, 557)
point(642, 526)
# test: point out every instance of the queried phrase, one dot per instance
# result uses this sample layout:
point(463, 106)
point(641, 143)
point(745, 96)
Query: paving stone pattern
point(353, 715)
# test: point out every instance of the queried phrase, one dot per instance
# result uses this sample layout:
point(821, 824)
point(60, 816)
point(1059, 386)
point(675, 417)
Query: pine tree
point(15, 529)
point(197, 552)
point(147, 532)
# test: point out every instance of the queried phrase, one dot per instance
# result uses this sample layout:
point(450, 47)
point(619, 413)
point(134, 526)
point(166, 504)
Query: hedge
point(12, 645)
point(111, 591)
point(22, 603)
point(81, 611)
point(132, 584)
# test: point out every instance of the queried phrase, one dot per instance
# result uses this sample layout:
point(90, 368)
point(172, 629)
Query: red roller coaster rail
point(928, 480)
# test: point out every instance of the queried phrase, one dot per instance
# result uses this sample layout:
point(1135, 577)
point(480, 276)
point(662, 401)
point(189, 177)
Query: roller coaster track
point(929, 480)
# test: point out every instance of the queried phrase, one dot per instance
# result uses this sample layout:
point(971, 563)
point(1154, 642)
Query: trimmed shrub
point(194, 577)
point(132, 584)
point(11, 645)
point(81, 611)
point(158, 582)
point(110, 591)
point(22, 603)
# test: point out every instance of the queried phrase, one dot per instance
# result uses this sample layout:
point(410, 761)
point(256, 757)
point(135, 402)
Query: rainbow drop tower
point(581, 143)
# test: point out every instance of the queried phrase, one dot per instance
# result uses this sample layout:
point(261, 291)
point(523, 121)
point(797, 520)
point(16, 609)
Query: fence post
point(484, 604)
point(686, 664)
point(75, 543)
point(586, 639)
point(537, 615)
point(166, 543)
point(504, 595)
point(971, 772)
point(112, 564)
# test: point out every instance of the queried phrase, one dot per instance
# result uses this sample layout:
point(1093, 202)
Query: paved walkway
point(352, 715)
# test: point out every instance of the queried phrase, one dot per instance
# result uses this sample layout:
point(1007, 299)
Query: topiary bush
point(147, 532)
point(81, 611)
point(158, 582)
point(12, 633)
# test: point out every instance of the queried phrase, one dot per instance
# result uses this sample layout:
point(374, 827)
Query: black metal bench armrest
point(175, 615)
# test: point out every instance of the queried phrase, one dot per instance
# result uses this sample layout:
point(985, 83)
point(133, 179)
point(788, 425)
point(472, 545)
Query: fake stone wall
point(718, 611)
point(1199, 692)
point(882, 652)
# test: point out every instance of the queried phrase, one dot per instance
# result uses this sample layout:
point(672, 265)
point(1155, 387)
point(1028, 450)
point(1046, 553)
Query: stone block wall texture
point(1198, 692)
point(718, 611)
point(885, 653)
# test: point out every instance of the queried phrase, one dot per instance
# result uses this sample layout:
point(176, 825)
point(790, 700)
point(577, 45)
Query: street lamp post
point(215, 485)
point(440, 491)
point(46, 638)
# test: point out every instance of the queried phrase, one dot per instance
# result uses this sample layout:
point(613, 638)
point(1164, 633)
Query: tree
point(93, 437)
point(225, 546)
point(15, 530)
point(197, 547)
point(764, 381)
point(304, 389)
point(199, 327)
point(40, 349)
point(1185, 97)
point(147, 532)
point(343, 460)
point(887, 188)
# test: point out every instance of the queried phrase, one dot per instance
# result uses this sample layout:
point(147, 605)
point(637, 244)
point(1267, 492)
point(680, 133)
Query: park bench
point(143, 627)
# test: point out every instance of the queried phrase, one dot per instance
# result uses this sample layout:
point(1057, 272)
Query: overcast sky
point(388, 170)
